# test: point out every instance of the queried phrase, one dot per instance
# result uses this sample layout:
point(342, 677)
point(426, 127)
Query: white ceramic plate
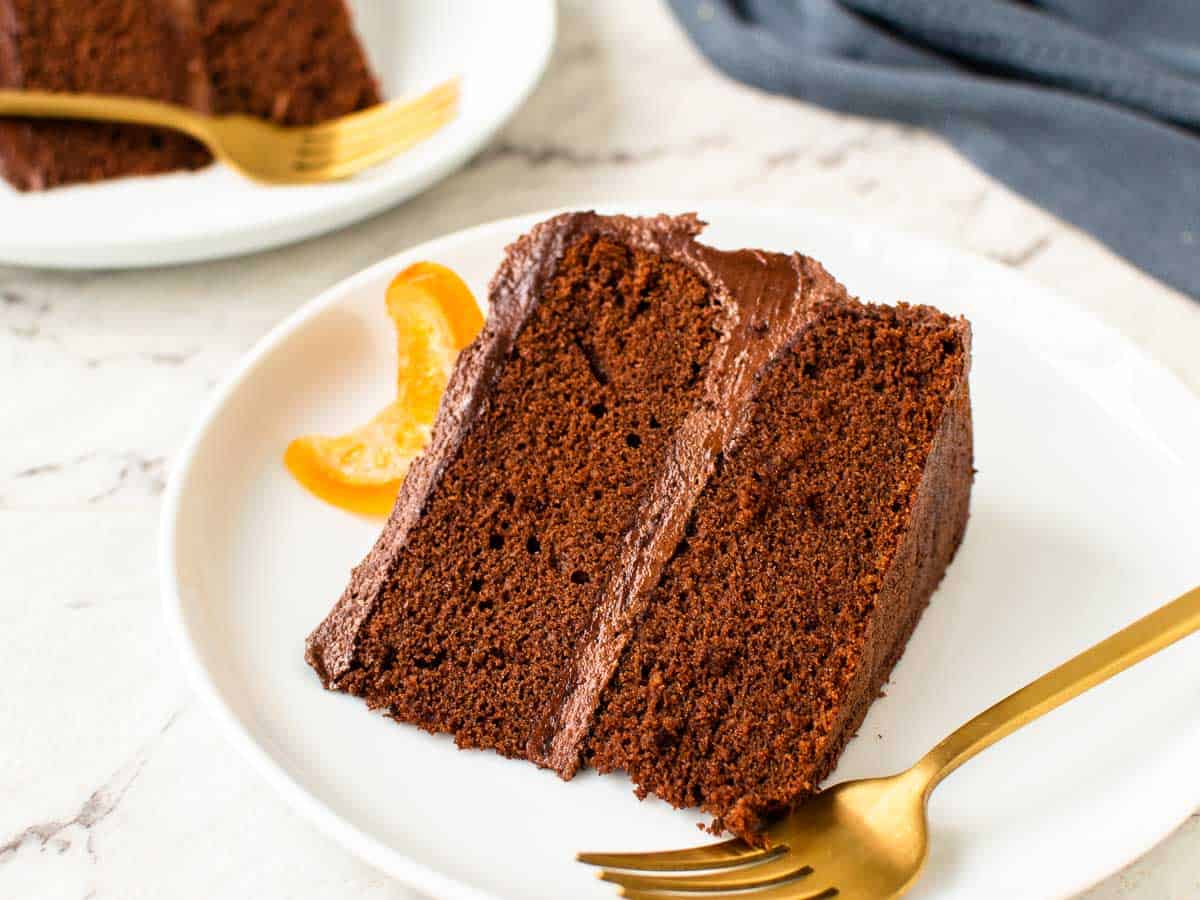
point(499, 50)
point(1082, 519)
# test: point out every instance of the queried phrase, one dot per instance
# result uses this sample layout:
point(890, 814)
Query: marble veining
point(117, 785)
point(60, 834)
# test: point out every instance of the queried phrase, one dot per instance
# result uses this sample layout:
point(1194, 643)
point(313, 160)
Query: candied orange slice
point(435, 317)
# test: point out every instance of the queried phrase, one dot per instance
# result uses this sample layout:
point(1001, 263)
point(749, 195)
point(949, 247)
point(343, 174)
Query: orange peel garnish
point(435, 316)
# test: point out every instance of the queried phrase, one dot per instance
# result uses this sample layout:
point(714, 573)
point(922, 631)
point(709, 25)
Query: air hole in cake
point(509, 498)
point(633, 440)
point(597, 409)
point(533, 545)
point(496, 541)
point(654, 423)
point(580, 577)
point(430, 661)
point(476, 585)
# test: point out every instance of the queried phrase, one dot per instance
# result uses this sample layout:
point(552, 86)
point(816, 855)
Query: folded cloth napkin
point(1089, 107)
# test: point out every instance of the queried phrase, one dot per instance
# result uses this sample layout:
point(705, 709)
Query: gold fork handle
point(1114, 654)
point(102, 108)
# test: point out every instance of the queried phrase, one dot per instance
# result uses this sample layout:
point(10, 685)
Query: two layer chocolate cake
point(294, 62)
point(681, 511)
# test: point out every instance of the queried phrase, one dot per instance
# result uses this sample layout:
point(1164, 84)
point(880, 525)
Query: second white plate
point(1082, 519)
point(498, 49)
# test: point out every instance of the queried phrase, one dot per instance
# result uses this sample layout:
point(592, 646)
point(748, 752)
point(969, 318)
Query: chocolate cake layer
point(680, 512)
point(546, 451)
point(804, 567)
point(132, 47)
point(295, 62)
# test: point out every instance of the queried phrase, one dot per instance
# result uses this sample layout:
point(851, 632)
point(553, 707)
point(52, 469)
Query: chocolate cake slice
point(134, 47)
point(681, 511)
point(295, 62)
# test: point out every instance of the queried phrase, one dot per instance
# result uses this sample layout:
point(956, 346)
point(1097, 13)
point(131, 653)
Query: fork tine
point(420, 123)
point(367, 131)
point(343, 167)
point(445, 94)
point(785, 891)
point(713, 856)
point(782, 868)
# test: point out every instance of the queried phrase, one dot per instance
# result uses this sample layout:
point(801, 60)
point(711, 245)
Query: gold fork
point(866, 840)
point(259, 149)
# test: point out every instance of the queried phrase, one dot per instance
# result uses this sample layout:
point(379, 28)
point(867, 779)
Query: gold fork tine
point(367, 121)
point(776, 870)
point(787, 891)
point(714, 856)
point(343, 166)
point(424, 122)
point(439, 95)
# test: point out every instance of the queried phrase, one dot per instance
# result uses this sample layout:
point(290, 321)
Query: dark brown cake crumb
point(783, 610)
point(131, 47)
point(295, 62)
point(680, 514)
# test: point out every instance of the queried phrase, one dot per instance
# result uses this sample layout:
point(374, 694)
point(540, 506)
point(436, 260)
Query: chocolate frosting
point(766, 300)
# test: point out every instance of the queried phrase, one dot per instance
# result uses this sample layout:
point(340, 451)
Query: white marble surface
point(113, 783)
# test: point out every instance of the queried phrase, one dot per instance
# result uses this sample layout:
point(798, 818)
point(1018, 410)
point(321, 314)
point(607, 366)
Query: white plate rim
point(335, 826)
point(299, 224)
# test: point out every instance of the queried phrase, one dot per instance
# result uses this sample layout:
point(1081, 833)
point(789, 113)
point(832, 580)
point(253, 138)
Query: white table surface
point(114, 784)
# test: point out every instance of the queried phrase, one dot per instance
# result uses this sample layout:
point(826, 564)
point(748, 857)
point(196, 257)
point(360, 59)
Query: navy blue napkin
point(1091, 108)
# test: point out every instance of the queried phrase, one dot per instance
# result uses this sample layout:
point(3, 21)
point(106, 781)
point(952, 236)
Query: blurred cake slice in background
point(291, 61)
point(140, 48)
